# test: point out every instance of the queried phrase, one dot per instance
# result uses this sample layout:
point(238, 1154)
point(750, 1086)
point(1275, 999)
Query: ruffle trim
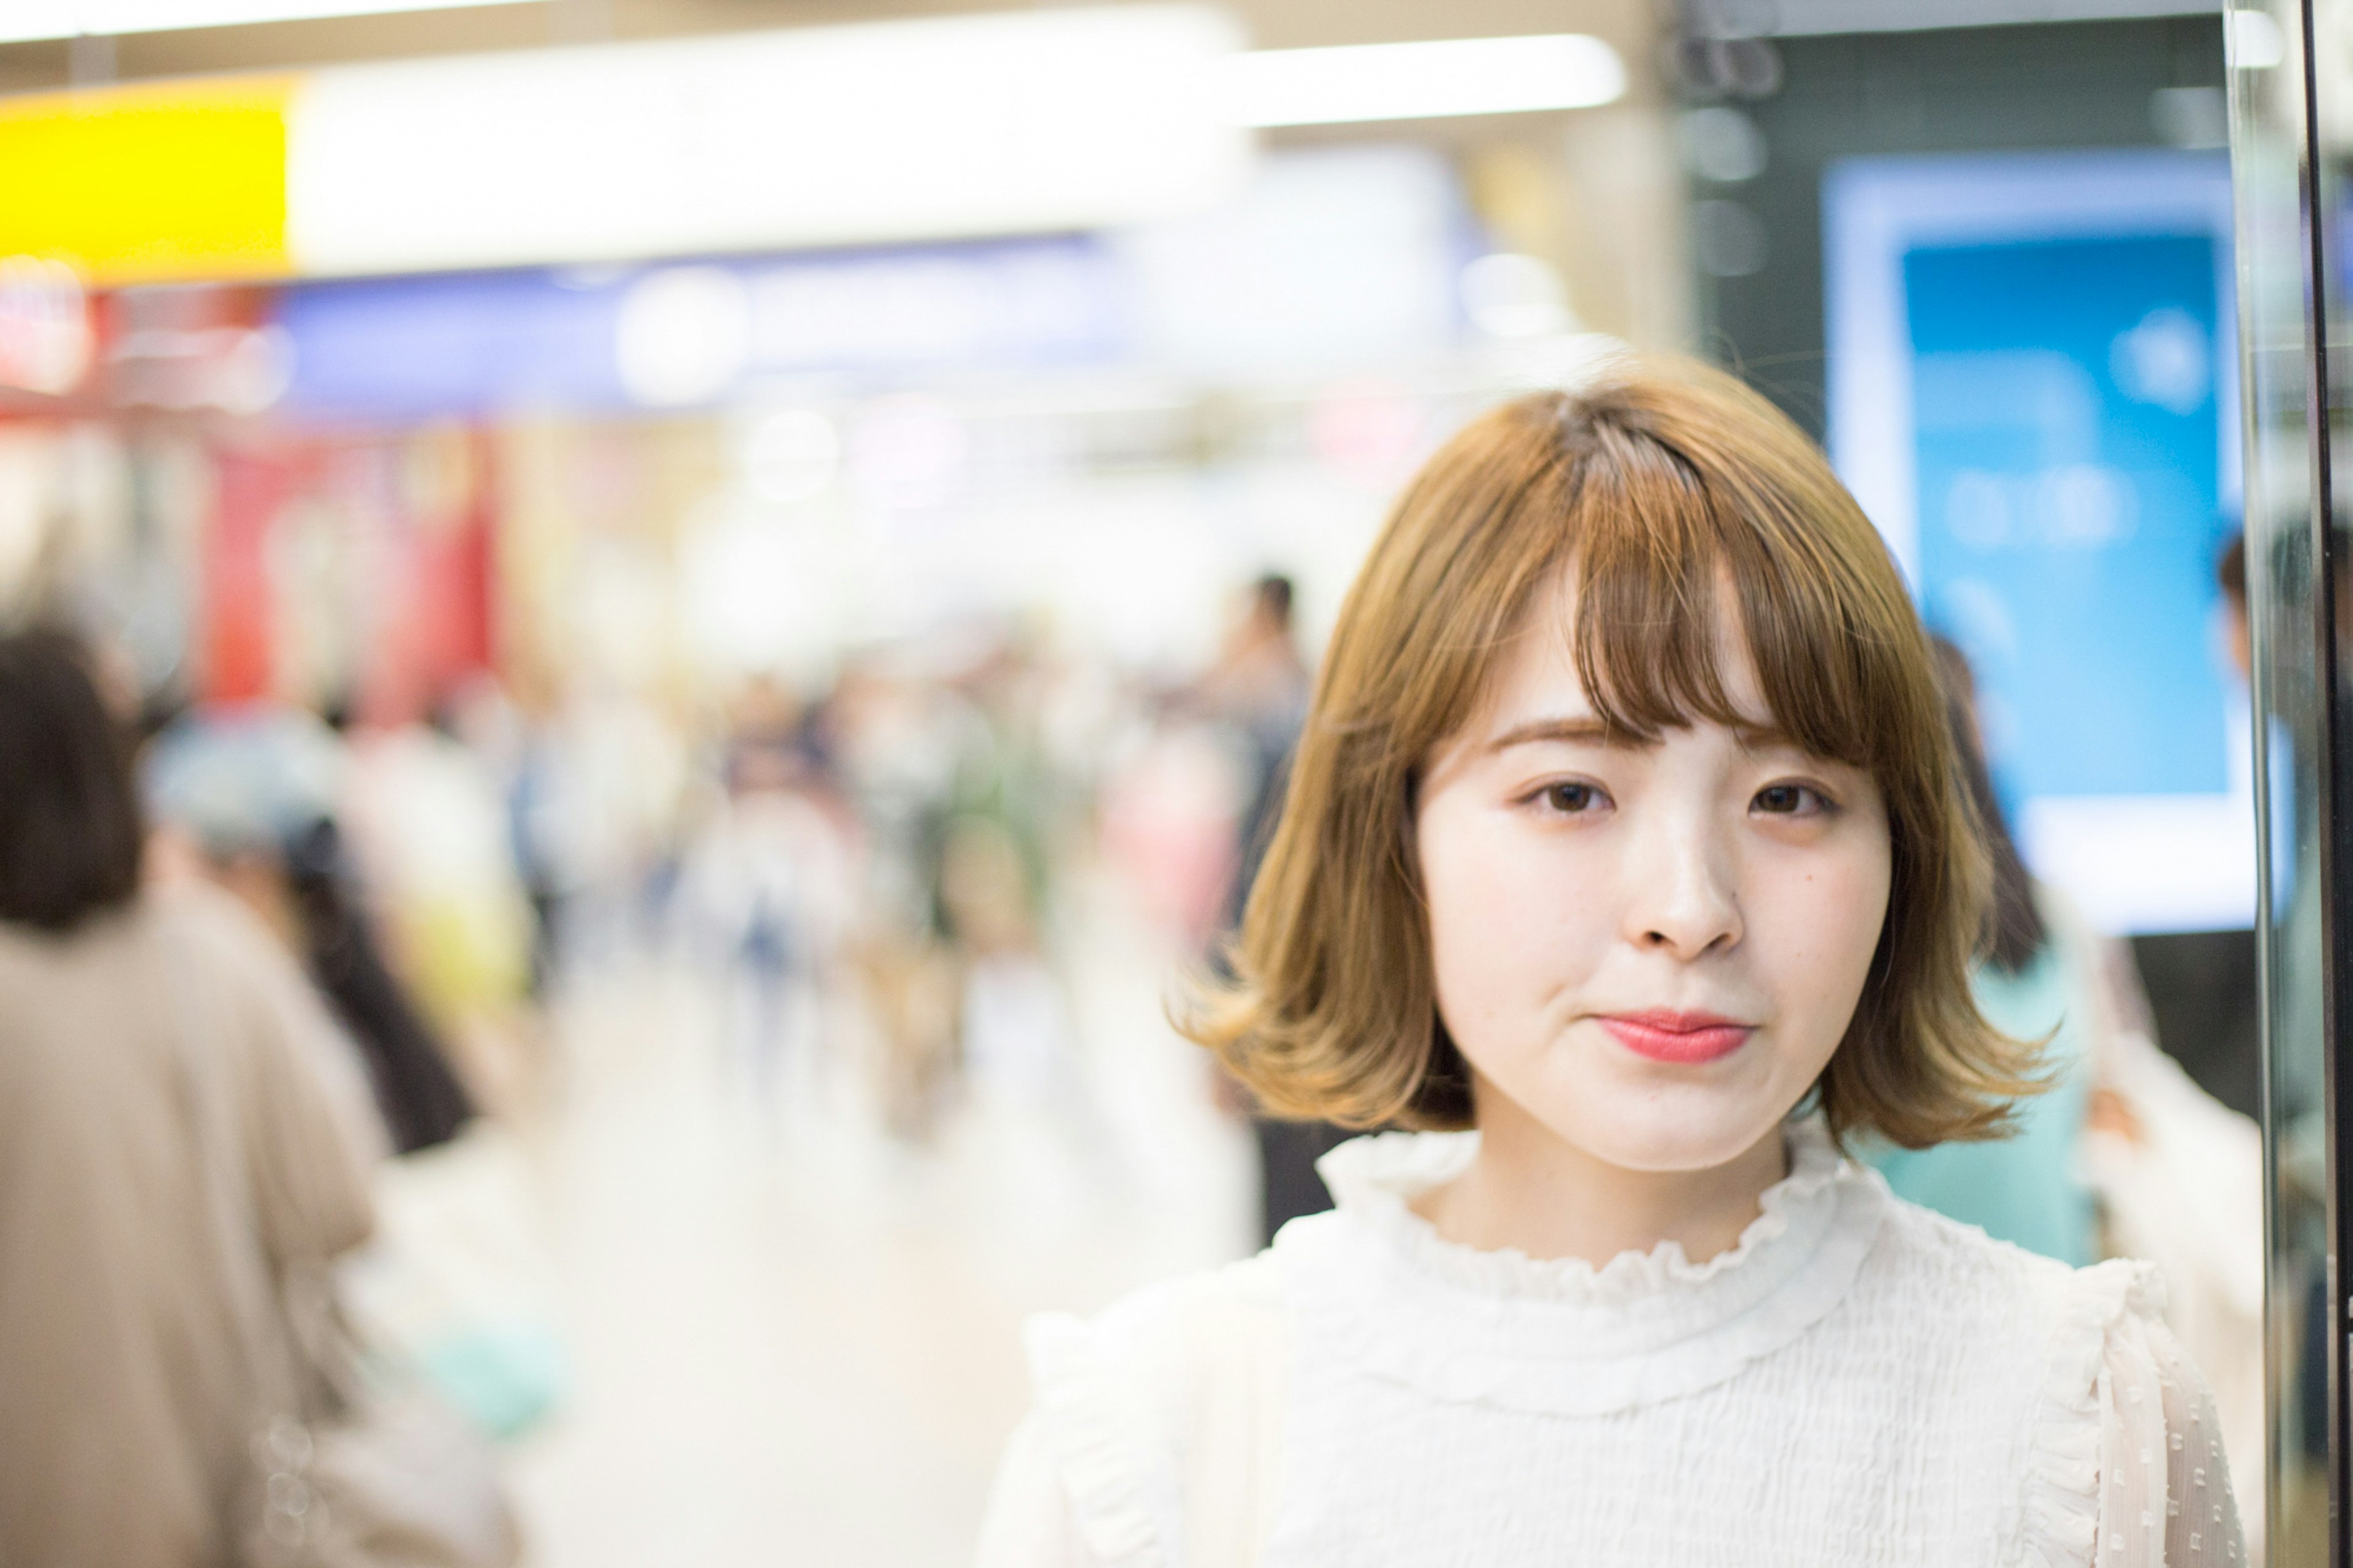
point(1396, 1299)
point(2059, 1517)
point(1375, 1178)
point(1104, 1466)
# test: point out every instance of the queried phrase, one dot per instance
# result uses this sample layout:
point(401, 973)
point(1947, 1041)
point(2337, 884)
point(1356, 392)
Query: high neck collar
point(1563, 1335)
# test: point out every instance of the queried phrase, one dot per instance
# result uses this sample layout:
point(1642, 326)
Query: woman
point(1626, 852)
point(169, 1158)
point(248, 798)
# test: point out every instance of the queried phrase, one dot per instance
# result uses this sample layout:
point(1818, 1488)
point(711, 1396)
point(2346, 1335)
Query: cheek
point(1819, 925)
point(1505, 931)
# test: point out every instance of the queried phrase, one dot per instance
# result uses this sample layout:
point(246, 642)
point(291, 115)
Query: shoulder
point(1156, 1412)
point(216, 927)
point(183, 928)
point(1234, 1297)
point(29, 955)
point(63, 987)
point(2035, 1347)
point(1974, 1279)
point(216, 954)
point(1991, 1302)
point(213, 955)
point(1161, 1349)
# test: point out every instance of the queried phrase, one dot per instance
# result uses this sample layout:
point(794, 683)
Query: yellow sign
point(151, 183)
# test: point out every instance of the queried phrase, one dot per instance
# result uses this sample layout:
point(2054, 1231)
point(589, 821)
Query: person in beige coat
point(172, 1151)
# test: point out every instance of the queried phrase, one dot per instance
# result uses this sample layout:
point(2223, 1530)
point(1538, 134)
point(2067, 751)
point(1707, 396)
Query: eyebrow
point(1577, 731)
point(1588, 730)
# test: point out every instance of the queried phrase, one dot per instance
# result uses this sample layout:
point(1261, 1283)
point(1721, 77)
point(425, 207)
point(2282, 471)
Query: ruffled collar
point(1383, 1290)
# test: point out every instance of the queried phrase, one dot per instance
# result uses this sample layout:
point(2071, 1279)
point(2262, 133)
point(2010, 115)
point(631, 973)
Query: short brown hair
point(1654, 483)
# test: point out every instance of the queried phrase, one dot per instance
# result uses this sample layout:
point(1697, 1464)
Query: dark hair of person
point(1273, 594)
point(71, 832)
point(2015, 932)
point(422, 1103)
point(2230, 570)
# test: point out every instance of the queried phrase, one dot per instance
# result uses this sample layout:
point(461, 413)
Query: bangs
point(1672, 564)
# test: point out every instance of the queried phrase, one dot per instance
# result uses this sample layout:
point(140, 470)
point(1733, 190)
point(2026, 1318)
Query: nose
point(1683, 897)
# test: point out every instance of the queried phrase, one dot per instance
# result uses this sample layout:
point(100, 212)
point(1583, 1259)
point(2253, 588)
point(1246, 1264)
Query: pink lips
point(1683, 1038)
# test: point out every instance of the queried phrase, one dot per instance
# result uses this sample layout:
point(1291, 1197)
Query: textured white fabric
point(1857, 1382)
point(2184, 1189)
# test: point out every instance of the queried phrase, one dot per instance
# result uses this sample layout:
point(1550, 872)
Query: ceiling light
point(23, 21)
point(1425, 80)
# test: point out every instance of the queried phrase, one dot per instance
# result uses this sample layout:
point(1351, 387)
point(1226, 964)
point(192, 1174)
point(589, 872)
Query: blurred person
point(450, 1288)
point(2041, 979)
point(1167, 817)
point(767, 882)
point(253, 794)
point(896, 745)
point(424, 1103)
point(995, 885)
point(944, 757)
point(1013, 1022)
point(170, 1158)
point(429, 832)
point(1625, 857)
point(2204, 986)
point(2295, 1075)
point(507, 737)
point(2179, 1175)
point(609, 818)
point(1258, 687)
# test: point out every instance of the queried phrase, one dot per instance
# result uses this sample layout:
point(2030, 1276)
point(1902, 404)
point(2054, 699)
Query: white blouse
point(1857, 1382)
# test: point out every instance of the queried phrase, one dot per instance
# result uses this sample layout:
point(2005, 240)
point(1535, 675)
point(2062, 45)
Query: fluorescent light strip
point(1005, 122)
point(27, 21)
point(1803, 18)
point(1357, 82)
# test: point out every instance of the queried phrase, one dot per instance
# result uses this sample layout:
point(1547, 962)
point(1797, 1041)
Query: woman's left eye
point(1571, 798)
point(1790, 800)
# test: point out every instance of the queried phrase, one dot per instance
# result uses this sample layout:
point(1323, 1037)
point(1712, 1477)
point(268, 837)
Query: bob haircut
point(71, 831)
point(1681, 502)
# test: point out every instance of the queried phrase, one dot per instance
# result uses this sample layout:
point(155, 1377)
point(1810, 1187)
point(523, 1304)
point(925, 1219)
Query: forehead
point(1535, 671)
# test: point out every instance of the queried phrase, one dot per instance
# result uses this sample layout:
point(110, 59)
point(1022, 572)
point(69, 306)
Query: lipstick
point(1683, 1039)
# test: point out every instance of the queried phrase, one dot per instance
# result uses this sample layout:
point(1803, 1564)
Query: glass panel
point(2287, 588)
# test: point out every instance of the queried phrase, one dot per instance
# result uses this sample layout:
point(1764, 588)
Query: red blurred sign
point(394, 614)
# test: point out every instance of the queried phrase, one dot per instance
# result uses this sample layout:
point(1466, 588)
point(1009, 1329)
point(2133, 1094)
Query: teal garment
point(2024, 1188)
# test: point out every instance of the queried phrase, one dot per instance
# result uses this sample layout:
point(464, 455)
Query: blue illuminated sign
point(2067, 473)
point(2033, 395)
point(694, 333)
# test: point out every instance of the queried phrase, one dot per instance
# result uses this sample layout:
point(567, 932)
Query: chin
point(1687, 1129)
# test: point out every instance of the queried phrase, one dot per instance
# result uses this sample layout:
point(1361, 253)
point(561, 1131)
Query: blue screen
point(2069, 518)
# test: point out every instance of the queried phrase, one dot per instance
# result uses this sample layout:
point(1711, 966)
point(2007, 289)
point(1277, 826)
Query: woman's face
point(1651, 950)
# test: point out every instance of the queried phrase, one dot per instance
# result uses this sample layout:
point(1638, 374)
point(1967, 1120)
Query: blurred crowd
point(871, 868)
point(346, 937)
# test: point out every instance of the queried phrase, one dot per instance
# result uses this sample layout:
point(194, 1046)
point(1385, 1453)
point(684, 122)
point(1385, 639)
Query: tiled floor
point(794, 1343)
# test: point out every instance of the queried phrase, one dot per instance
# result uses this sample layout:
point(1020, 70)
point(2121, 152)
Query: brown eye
point(1788, 800)
point(1571, 799)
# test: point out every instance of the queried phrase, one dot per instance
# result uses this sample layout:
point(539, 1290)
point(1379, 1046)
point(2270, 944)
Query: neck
point(1532, 1191)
